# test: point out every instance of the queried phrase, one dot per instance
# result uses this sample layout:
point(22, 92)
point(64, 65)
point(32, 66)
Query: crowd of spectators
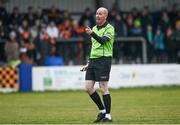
point(39, 35)
point(161, 29)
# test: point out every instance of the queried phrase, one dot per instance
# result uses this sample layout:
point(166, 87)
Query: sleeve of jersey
point(99, 39)
point(105, 38)
point(109, 33)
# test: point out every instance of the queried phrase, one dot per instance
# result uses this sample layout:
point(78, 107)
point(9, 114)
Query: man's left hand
point(88, 30)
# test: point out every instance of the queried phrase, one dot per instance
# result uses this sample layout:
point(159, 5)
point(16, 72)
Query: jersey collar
point(102, 26)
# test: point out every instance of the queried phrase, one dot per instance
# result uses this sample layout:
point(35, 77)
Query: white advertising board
point(57, 78)
point(70, 77)
point(144, 75)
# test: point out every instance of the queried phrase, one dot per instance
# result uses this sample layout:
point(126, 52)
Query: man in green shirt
point(99, 64)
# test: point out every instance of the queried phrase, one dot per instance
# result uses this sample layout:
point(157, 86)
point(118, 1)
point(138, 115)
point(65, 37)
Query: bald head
point(101, 15)
point(103, 10)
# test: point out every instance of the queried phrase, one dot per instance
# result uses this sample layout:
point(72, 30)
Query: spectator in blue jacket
point(159, 44)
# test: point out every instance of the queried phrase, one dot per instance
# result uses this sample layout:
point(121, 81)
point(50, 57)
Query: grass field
point(132, 105)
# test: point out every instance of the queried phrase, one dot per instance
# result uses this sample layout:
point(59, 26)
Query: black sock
point(96, 98)
point(107, 103)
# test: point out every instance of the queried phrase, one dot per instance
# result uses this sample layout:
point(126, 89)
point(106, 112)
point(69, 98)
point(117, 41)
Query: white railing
point(136, 39)
point(118, 39)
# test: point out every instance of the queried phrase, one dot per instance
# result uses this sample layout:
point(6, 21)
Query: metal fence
point(129, 42)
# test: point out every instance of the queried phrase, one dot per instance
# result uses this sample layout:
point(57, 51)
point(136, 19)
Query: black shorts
point(99, 69)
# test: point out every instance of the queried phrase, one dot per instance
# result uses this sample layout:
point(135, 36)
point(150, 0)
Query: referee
point(99, 64)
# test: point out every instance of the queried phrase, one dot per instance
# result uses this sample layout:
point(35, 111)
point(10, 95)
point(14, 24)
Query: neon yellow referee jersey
point(106, 49)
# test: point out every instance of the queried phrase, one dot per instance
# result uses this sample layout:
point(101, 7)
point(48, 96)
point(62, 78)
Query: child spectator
point(12, 50)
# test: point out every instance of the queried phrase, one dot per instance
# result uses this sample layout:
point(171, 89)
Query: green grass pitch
point(159, 105)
